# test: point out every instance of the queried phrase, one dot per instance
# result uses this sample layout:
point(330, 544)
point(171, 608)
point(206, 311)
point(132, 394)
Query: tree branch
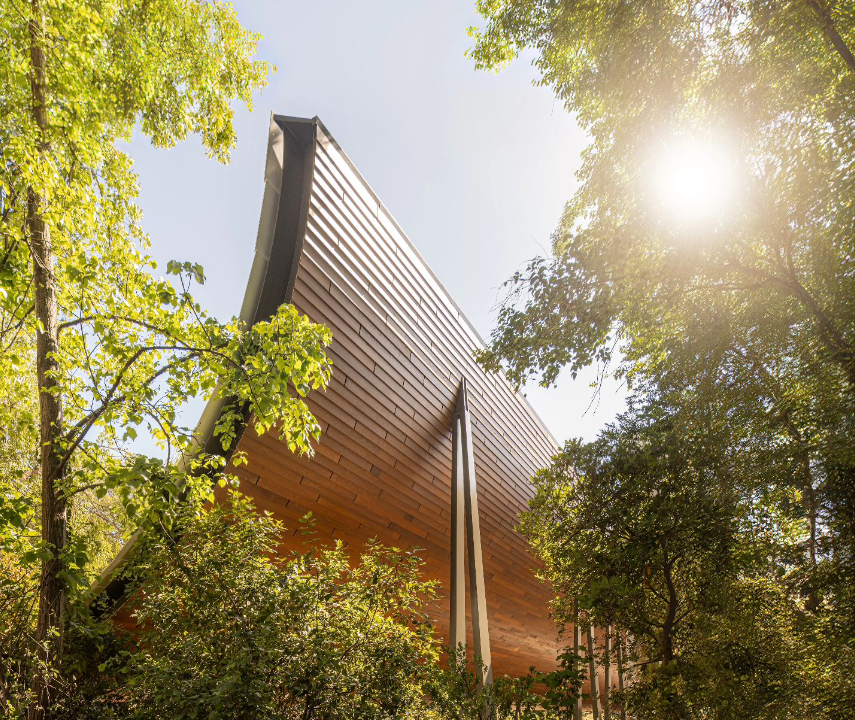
point(123, 318)
point(826, 22)
point(79, 431)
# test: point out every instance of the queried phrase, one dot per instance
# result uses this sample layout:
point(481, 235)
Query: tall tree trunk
point(829, 29)
point(51, 613)
point(607, 673)
point(592, 670)
point(620, 670)
point(577, 637)
point(670, 617)
point(810, 506)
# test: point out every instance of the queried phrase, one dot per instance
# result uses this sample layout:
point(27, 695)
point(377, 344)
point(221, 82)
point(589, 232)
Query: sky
point(476, 167)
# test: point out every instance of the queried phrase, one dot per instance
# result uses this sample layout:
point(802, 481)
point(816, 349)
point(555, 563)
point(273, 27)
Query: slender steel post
point(458, 524)
point(465, 457)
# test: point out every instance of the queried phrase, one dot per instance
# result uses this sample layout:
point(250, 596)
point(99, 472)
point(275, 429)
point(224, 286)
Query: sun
point(693, 181)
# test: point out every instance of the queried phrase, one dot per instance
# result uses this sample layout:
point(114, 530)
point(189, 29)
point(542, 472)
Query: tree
point(99, 526)
point(745, 313)
point(115, 347)
point(455, 690)
point(638, 527)
point(641, 530)
point(226, 629)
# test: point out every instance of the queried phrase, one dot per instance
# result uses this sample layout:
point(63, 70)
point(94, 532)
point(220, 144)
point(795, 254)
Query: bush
point(227, 629)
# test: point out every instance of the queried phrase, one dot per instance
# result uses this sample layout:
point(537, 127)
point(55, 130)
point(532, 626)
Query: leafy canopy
point(645, 530)
point(133, 344)
point(743, 321)
point(762, 82)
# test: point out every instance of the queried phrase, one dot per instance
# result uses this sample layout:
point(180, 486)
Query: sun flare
point(693, 181)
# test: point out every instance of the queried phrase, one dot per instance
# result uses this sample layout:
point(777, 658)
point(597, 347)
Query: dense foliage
point(226, 629)
point(646, 531)
point(228, 625)
point(455, 693)
point(735, 330)
point(95, 345)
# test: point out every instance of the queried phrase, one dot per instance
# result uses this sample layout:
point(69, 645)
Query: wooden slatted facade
point(400, 349)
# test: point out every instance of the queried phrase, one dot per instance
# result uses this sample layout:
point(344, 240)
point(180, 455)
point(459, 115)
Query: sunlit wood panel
point(383, 466)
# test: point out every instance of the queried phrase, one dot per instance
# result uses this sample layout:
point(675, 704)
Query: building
point(420, 446)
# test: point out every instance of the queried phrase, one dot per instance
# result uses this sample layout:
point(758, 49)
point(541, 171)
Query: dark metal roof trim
point(288, 177)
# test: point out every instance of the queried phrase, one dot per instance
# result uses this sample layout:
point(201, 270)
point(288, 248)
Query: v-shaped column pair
point(464, 524)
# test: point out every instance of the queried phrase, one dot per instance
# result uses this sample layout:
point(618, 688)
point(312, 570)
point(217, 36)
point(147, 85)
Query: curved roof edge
point(288, 173)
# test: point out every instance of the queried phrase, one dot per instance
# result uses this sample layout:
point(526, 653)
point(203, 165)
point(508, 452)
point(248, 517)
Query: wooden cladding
point(401, 347)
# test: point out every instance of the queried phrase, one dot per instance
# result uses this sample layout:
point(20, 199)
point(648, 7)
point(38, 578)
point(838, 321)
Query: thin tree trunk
point(592, 673)
point(607, 709)
point(620, 670)
point(809, 502)
point(51, 612)
point(670, 618)
point(577, 637)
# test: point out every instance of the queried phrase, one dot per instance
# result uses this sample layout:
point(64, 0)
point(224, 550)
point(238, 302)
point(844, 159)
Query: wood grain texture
point(382, 468)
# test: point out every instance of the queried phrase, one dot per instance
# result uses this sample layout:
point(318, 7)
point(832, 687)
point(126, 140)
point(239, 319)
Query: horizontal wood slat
point(383, 465)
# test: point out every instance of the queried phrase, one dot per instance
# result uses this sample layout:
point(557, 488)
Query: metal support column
point(458, 579)
point(464, 484)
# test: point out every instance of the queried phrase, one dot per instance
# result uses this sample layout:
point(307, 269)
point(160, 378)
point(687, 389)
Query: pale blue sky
point(475, 167)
